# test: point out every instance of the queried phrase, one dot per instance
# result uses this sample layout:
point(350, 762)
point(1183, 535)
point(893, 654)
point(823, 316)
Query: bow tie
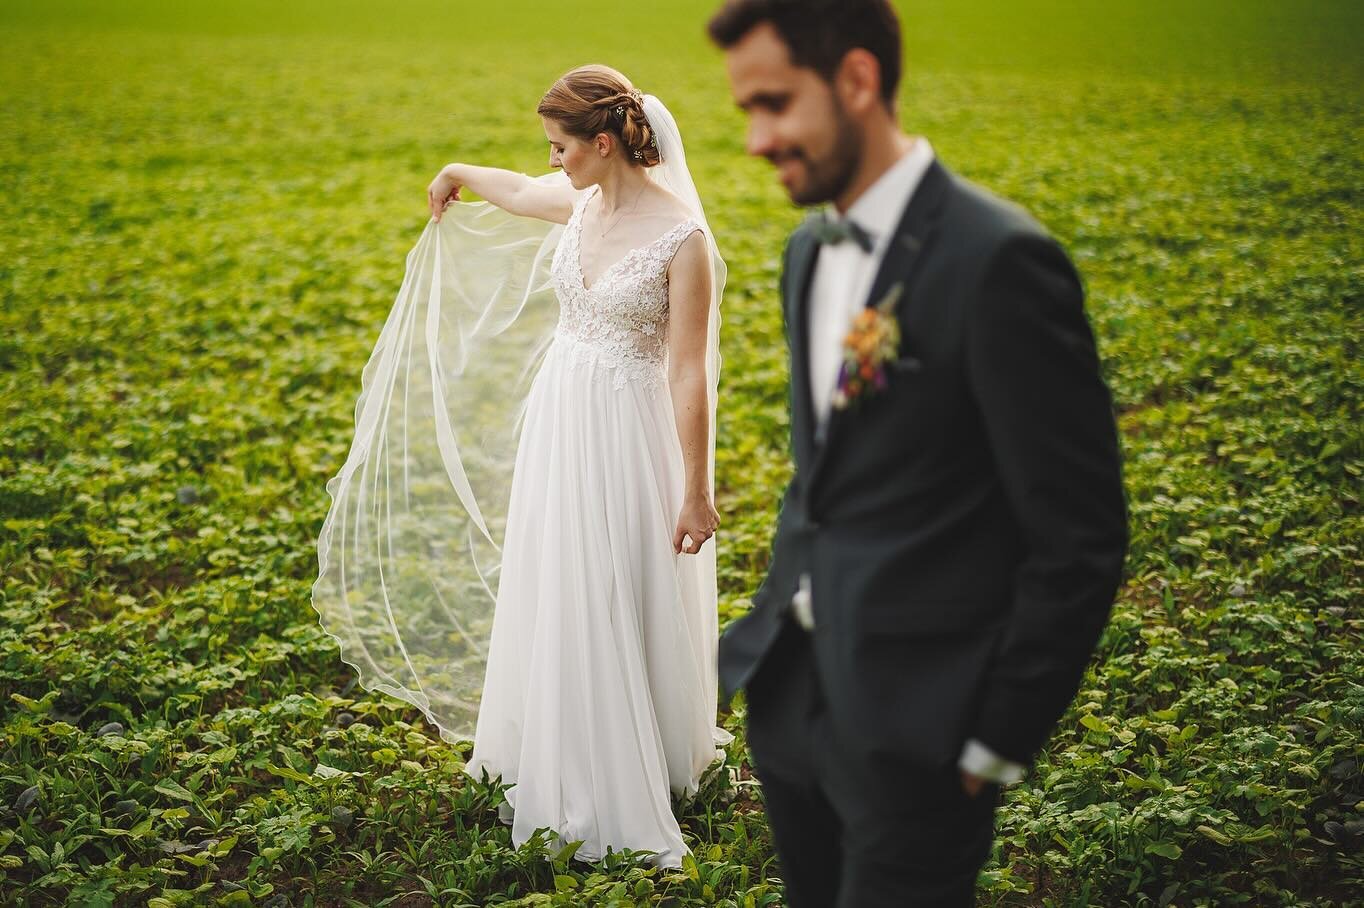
point(829, 230)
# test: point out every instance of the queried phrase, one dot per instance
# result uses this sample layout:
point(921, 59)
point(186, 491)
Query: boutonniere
point(873, 341)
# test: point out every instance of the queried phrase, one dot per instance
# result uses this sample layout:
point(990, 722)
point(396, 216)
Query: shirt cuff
point(979, 760)
point(802, 605)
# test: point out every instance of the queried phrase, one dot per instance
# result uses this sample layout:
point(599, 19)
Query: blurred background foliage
point(204, 211)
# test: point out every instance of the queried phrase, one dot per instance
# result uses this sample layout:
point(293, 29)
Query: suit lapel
point(903, 257)
point(804, 252)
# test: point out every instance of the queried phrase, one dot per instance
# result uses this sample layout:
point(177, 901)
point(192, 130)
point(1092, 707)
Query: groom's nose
point(760, 141)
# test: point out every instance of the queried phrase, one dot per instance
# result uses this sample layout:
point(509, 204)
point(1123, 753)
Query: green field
point(204, 212)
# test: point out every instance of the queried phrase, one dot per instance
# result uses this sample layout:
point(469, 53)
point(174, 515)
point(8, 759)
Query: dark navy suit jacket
point(965, 528)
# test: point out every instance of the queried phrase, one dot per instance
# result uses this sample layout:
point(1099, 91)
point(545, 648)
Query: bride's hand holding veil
point(443, 190)
point(515, 193)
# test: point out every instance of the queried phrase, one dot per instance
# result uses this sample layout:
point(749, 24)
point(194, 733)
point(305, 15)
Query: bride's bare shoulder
point(670, 205)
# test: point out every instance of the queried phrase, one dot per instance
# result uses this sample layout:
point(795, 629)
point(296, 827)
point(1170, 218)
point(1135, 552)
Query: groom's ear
point(857, 82)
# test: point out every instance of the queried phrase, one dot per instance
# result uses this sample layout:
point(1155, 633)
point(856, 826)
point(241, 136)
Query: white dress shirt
point(839, 287)
point(844, 273)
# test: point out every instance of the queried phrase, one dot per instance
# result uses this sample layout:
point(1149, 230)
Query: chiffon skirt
point(600, 696)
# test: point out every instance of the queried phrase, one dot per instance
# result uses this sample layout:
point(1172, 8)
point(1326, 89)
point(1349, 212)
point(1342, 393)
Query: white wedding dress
point(599, 698)
point(498, 551)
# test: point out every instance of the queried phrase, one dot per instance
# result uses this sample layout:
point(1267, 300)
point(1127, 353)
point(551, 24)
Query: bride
point(520, 542)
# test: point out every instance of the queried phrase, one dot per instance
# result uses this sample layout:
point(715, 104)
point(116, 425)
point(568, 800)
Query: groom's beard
point(827, 178)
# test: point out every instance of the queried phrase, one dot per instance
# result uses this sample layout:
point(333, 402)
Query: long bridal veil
point(410, 550)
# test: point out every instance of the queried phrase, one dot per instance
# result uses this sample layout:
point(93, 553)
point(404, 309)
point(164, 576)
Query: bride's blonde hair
point(593, 99)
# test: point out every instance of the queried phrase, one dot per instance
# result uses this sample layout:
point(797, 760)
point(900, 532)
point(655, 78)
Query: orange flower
point(873, 340)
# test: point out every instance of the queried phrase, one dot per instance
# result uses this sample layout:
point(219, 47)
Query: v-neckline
point(582, 277)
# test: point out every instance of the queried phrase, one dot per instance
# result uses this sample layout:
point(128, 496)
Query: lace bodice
point(623, 318)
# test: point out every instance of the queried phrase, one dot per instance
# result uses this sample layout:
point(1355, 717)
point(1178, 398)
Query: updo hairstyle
point(593, 99)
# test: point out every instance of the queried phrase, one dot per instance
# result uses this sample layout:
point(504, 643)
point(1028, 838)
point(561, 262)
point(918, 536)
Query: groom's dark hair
point(819, 33)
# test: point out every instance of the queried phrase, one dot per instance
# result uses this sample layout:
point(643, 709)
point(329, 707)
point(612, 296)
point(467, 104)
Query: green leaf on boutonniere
point(887, 303)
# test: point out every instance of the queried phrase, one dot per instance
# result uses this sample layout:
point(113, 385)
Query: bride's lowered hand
point(699, 520)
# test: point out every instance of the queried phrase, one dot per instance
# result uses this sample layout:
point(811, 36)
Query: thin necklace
point(603, 234)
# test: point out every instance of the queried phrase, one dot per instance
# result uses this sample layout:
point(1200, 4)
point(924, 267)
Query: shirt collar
point(879, 208)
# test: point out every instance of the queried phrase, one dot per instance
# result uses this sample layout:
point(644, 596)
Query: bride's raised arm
point(515, 193)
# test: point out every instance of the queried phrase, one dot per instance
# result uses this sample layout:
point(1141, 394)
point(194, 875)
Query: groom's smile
point(790, 168)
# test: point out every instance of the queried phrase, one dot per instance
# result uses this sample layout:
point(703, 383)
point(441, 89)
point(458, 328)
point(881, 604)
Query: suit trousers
point(854, 828)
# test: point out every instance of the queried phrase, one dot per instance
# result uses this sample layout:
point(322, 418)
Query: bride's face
point(794, 118)
point(579, 159)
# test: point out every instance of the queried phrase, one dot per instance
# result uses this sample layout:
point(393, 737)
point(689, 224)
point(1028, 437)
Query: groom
point(948, 550)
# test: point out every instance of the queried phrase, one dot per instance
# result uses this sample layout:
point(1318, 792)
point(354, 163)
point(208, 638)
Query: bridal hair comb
point(634, 93)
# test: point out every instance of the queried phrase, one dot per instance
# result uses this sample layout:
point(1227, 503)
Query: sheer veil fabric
point(410, 550)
